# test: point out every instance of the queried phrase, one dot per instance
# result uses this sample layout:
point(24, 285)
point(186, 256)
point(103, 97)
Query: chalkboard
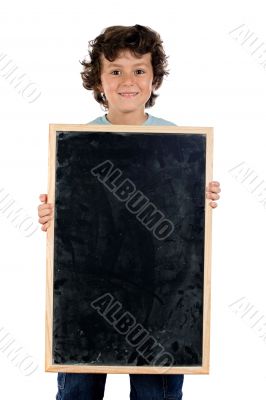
point(128, 253)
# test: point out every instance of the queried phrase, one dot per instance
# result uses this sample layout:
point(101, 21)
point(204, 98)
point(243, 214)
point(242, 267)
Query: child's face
point(127, 82)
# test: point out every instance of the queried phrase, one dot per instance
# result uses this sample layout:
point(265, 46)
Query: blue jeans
point(142, 387)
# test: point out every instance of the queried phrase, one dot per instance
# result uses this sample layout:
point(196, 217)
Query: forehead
point(126, 57)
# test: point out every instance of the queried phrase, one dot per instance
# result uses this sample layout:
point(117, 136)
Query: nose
point(128, 79)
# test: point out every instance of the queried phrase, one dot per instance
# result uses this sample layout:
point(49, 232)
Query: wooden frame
point(51, 366)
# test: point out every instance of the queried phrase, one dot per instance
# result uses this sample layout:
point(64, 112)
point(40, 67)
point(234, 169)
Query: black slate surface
point(123, 296)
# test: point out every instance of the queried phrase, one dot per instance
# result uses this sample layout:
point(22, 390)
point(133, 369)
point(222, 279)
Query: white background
point(214, 81)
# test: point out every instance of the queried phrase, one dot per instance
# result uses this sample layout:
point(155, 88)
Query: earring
point(105, 105)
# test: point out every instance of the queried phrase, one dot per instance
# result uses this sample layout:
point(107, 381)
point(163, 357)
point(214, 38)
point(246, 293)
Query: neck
point(126, 118)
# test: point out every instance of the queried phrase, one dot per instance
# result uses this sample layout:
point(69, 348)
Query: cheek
point(145, 84)
point(109, 86)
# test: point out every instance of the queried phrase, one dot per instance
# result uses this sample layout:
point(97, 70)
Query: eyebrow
point(111, 64)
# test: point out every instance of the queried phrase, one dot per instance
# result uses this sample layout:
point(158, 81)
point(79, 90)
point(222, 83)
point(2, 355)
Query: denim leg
point(80, 386)
point(156, 387)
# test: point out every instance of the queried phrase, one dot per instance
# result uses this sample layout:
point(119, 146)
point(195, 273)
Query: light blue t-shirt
point(149, 121)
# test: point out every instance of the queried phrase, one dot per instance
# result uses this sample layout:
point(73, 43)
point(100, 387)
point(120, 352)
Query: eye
point(115, 72)
point(139, 72)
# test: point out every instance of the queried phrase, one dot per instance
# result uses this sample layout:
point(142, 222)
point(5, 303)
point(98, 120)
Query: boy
point(127, 64)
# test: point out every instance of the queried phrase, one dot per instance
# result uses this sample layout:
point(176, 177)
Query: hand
point(45, 212)
point(212, 191)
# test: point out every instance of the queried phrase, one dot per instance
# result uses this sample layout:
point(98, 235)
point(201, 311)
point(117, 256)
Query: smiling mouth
point(128, 94)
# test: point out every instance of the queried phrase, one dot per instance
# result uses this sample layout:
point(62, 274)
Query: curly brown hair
point(114, 39)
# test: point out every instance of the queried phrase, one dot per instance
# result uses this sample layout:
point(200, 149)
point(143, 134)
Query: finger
point(212, 196)
point(43, 220)
point(45, 226)
point(214, 183)
point(43, 198)
point(42, 212)
point(213, 204)
point(215, 189)
point(46, 206)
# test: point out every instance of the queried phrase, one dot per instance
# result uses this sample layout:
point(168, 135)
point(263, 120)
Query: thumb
point(43, 198)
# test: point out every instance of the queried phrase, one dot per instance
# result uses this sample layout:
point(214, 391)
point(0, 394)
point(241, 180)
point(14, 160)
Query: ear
point(153, 86)
point(100, 88)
